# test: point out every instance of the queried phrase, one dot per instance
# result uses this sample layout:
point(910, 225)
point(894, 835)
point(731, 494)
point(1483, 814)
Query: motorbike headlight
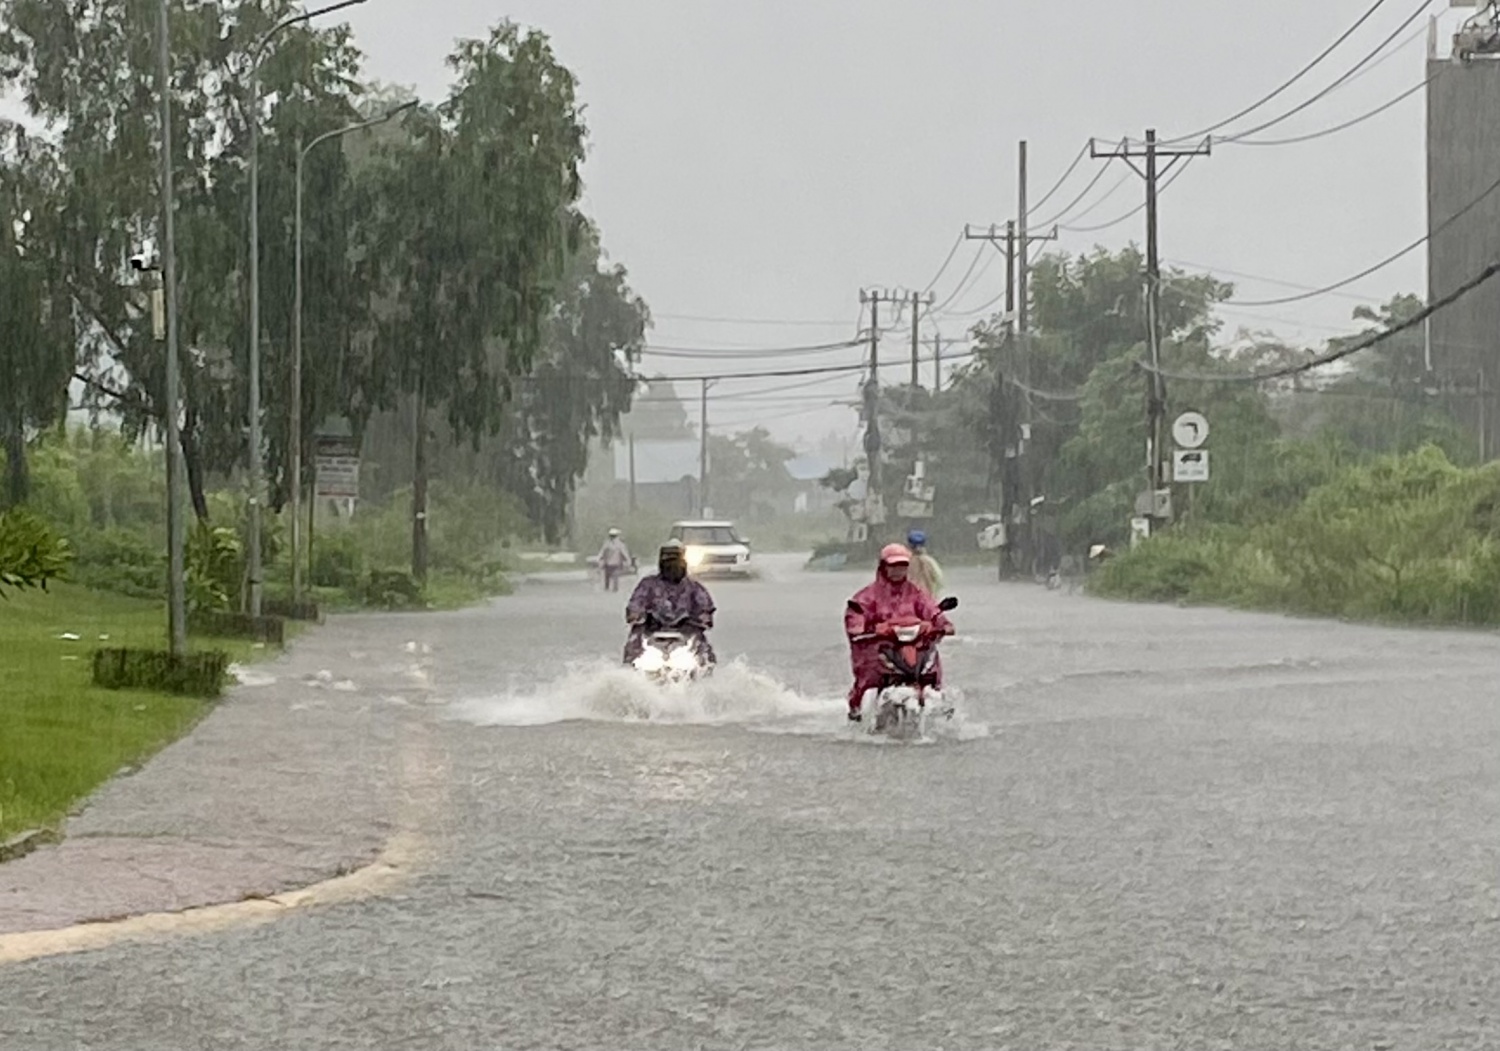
point(651, 659)
point(682, 659)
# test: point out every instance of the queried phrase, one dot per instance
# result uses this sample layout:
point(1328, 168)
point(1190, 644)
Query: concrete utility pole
point(702, 448)
point(1156, 389)
point(1018, 241)
point(917, 302)
point(873, 490)
point(176, 586)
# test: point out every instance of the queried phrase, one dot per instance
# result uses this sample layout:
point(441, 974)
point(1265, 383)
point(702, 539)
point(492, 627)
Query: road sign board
point(1190, 465)
point(336, 459)
point(1190, 430)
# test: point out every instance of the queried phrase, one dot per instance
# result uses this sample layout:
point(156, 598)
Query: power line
point(946, 263)
point(1304, 71)
point(1063, 214)
point(1455, 217)
point(1138, 209)
point(1329, 358)
point(1058, 185)
point(789, 322)
point(659, 351)
point(1421, 8)
point(963, 284)
point(1346, 125)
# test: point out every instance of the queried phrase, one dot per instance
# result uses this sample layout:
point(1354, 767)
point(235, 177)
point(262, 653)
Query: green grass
point(61, 736)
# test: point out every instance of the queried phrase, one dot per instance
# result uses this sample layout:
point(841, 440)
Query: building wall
point(1463, 161)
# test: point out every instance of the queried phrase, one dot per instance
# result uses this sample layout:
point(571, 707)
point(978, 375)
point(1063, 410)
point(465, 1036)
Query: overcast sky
point(764, 160)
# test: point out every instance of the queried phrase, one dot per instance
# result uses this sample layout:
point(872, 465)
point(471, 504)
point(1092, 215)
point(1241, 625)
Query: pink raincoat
point(882, 602)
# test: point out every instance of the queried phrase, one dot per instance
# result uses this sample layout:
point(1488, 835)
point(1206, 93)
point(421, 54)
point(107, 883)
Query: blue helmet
point(916, 538)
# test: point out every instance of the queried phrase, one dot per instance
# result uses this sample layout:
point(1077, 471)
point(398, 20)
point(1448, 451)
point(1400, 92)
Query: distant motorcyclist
point(669, 599)
point(892, 597)
point(925, 571)
point(614, 556)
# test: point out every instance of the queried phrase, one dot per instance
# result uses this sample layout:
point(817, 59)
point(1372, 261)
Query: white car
point(713, 548)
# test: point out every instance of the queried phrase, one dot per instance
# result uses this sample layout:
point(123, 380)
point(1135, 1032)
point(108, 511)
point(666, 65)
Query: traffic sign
point(1190, 465)
point(1190, 430)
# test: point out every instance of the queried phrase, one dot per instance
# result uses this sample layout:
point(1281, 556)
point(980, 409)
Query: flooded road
point(1148, 828)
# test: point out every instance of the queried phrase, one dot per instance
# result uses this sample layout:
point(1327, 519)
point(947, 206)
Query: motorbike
point(908, 695)
point(672, 653)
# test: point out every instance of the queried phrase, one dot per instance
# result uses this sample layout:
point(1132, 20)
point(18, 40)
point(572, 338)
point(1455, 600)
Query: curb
point(20, 845)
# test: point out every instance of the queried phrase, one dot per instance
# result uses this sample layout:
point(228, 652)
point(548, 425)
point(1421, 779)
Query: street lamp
point(176, 585)
point(295, 450)
point(256, 56)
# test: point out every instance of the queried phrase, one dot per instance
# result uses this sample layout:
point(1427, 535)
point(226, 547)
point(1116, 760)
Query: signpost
point(1190, 430)
point(1190, 465)
point(337, 461)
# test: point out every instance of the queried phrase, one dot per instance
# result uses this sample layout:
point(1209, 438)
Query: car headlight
point(694, 557)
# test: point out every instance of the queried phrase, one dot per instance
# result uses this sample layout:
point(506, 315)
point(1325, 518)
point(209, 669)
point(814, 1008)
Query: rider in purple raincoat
point(658, 601)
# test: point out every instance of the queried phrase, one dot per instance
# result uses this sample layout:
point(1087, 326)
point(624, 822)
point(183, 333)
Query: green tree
point(38, 341)
point(472, 240)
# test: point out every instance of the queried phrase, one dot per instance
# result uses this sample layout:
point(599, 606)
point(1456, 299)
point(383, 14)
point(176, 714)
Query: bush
point(31, 554)
point(122, 561)
point(392, 589)
point(1409, 538)
point(195, 675)
point(220, 625)
point(215, 562)
point(338, 561)
point(289, 609)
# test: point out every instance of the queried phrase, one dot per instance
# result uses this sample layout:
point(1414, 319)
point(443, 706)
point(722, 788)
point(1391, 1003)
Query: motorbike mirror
point(948, 604)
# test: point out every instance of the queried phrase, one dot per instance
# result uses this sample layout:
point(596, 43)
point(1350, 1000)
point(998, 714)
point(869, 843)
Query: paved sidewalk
point(293, 778)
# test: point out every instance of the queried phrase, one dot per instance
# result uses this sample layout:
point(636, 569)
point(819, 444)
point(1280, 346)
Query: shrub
point(221, 625)
point(392, 589)
point(122, 561)
point(195, 675)
point(214, 561)
point(337, 561)
point(31, 554)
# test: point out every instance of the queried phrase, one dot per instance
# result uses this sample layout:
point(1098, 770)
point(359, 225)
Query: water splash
point(735, 695)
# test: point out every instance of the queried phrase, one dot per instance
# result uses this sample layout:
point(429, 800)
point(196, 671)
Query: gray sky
point(765, 160)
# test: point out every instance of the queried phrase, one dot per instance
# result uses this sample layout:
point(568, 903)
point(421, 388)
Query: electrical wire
point(1058, 185)
point(1419, 242)
point(789, 322)
point(1373, 339)
point(946, 263)
point(1346, 125)
point(1304, 71)
point(1421, 9)
point(963, 284)
point(1138, 209)
point(1063, 214)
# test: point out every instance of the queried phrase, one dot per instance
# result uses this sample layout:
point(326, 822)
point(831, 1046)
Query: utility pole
point(702, 448)
point(1018, 241)
point(917, 302)
point(176, 587)
point(937, 362)
point(1156, 389)
point(874, 493)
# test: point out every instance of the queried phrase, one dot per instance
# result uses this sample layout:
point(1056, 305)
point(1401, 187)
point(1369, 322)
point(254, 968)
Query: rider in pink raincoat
point(891, 597)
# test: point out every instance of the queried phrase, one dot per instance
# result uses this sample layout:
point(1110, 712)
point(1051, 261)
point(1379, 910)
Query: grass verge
point(61, 736)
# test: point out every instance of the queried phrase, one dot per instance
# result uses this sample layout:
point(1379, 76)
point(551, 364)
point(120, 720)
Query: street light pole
point(257, 55)
point(176, 587)
point(295, 447)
